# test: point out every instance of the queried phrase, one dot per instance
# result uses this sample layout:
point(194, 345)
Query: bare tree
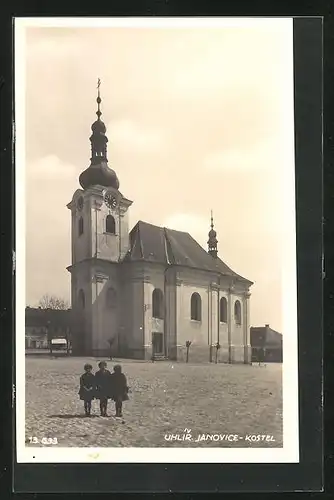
point(188, 344)
point(53, 302)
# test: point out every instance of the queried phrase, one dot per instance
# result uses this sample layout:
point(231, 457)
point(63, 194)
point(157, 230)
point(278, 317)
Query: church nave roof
point(161, 245)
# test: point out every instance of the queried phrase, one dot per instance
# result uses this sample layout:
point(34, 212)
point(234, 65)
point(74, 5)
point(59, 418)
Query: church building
point(146, 292)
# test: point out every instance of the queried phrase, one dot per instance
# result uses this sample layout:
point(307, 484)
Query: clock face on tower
point(110, 200)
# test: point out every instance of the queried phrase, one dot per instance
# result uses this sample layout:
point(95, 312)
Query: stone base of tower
point(79, 348)
point(79, 352)
point(172, 353)
point(137, 353)
point(148, 352)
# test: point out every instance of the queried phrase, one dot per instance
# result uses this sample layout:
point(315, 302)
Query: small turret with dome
point(212, 241)
point(98, 173)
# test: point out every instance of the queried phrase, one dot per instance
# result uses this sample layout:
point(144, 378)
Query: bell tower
point(100, 241)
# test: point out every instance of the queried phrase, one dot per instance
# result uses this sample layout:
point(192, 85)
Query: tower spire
point(98, 173)
point(212, 241)
point(99, 139)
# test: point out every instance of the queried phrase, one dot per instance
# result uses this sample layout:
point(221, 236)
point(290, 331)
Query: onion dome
point(98, 173)
point(212, 241)
point(98, 127)
point(212, 233)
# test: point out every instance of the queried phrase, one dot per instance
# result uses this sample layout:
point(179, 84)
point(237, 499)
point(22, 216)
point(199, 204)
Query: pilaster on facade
point(178, 281)
point(248, 349)
point(147, 313)
point(229, 323)
point(215, 315)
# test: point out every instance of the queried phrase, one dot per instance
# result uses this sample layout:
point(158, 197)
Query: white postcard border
point(289, 453)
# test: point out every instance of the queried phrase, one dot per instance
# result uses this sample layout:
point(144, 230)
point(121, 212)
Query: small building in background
point(59, 345)
point(266, 340)
point(36, 334)
point(42, 325)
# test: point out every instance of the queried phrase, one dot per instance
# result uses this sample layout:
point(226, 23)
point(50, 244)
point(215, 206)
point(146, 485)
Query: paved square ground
point(165, 398)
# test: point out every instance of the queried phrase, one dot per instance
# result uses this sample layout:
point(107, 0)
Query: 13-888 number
point(44, 440)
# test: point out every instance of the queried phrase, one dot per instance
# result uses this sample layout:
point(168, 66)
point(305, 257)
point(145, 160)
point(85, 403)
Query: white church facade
point(147, 291)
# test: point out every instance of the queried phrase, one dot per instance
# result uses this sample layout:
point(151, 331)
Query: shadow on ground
point(71, 416)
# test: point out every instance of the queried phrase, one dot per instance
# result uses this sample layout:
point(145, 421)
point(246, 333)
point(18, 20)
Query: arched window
point(157, 304)
point(110, 224)
point(223, 310)
point(196, 307)
point(81, 226)
point(237, 312)
point(111, 298)
point(81, 299)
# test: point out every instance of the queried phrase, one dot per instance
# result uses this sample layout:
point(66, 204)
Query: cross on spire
point(98, 100)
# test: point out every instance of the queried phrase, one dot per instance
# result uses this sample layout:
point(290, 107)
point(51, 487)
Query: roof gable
point(266, 334)
point(152, 243)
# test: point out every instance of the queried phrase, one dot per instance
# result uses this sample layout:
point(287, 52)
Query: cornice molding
point(77, 193)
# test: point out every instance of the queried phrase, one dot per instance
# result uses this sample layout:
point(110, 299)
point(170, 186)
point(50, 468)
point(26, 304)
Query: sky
point(198, 119)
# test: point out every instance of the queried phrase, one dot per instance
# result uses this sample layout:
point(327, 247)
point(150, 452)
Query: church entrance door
point(157, 343)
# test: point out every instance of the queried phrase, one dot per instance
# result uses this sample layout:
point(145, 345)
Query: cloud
point(50, 168)
point(257, 156)
point(203, 70)
point(57, 43)
point(50, 186)
point(227, 160)
point(130, 134)
point(196, 225)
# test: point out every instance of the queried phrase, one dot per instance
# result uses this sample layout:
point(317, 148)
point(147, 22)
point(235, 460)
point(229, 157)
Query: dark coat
point(87, 387)
point(103, 384)
point(119, 388)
